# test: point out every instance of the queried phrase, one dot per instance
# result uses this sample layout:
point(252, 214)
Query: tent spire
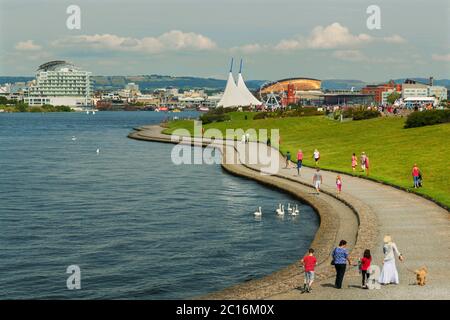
point(231, 68)
point(240, 68)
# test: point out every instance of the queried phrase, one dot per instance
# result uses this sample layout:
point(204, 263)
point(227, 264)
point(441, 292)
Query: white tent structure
point(235, 96)
point(250, 98)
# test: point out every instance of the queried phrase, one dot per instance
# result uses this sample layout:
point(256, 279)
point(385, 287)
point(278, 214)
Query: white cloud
point(441, 57)
point(349, 55)
point(396, 39)
point(249, 48)
point(333, 36)
point(27, 45)
point(170, 41)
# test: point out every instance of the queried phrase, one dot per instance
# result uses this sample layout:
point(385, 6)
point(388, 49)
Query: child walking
point(309, 262)
point(364, 264)
point(299, 161)
point(288, 159)
point(339, 184)
point(354, 162)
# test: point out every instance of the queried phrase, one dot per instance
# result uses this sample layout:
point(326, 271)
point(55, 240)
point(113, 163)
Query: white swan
point(295, 212)
point(280, 210)
point(74, 138)
point(258, 213)
point(289, 208)
point(98, 151)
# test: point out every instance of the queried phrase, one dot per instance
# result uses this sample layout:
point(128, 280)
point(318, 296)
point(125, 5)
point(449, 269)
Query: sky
point(323, 39)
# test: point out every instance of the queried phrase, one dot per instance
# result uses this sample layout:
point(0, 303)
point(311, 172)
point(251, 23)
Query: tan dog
point(421, 276)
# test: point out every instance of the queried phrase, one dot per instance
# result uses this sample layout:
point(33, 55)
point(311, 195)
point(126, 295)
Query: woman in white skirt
point(389, 273)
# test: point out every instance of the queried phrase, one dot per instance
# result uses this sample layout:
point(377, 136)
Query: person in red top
point(309, 262)
point(364, 266)
point(367, 165)
point(416, 175)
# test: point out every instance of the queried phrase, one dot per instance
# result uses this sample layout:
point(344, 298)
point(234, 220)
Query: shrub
point(215, 115)
point(293, 112)
point(427, 118)
point(260, 115)
point(365, 114)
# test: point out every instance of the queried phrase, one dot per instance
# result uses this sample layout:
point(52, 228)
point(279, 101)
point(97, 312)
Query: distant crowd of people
point(364, 162)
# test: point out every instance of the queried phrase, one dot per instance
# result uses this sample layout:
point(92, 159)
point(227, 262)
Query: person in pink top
point(339, 184)
point(299, 161)
point(354, 162)
point(367, 165)
point(416, 175)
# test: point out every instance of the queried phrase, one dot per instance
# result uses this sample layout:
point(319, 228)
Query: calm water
point(138, 226)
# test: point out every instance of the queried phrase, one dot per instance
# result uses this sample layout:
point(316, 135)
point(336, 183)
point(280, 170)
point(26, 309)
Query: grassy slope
point(392, 150)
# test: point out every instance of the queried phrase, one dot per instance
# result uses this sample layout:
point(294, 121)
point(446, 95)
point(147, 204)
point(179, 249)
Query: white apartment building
point(439, 92)
point(60, 83)
point(414, 90)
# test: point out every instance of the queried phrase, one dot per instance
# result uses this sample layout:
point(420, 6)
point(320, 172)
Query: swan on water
point(74, 138)
point(289, 208)
point(98, 150)
point(296, 211)
point(258, 213)
point(280, 210)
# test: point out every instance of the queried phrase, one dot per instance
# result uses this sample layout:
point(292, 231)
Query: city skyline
point(276, 40)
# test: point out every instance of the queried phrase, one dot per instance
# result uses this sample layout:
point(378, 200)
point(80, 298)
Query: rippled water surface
point(137, 225)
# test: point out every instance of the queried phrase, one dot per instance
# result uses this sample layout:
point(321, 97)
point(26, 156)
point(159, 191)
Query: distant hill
point(441, 82)
point(14, 79)
point(151, 82)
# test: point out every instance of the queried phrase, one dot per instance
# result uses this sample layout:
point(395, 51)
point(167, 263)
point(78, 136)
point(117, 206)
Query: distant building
point(132, 86)
point(439, 92)
point(348, 98)
point(60, 83)
point(379, 91)
point(414, 90)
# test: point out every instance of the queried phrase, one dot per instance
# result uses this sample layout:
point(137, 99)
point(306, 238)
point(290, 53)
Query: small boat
point(203, 109)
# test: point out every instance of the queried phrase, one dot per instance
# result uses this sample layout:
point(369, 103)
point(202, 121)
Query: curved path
point(420, 228)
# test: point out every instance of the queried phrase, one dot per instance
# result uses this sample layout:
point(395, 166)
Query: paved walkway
point(420, 228)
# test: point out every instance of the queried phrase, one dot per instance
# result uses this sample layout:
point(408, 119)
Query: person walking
point(367, 165)
point(364, 264)
point(288, 159)
point(389, 273)
point(363, 161)
point(354, 162)
point(299, 161)
point(309, 262)
point(416, 175)
point(338, 185)
point(340, 258)
point(316, 157)
point(317, 180)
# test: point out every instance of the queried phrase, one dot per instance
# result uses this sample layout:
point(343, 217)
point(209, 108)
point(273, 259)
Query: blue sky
point(277, 39)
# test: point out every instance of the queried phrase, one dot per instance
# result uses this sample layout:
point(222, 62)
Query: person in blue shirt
point(340, 259)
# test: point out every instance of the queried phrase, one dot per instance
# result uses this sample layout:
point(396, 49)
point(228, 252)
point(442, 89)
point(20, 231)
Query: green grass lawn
point(392, 150)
